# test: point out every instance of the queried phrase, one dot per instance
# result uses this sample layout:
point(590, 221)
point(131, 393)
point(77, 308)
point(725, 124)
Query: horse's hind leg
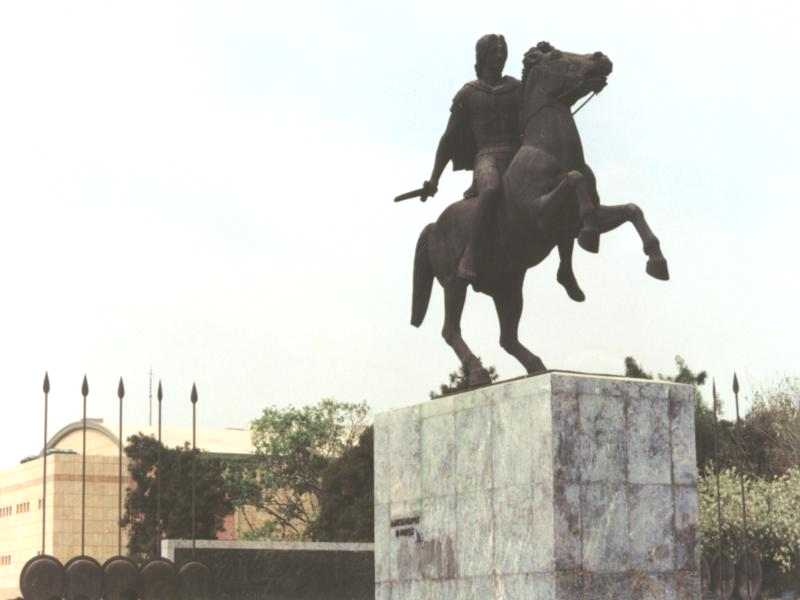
point(508, 303)
point(611, 217)
point(454, 295)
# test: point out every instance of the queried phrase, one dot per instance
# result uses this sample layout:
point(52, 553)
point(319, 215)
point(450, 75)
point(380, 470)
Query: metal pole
point(716, 470)
point(160, 396)
point(120, 395)
point(194, 460)
point(84, 392)
point(150, 398)
point(741, 485)
point(46, 388)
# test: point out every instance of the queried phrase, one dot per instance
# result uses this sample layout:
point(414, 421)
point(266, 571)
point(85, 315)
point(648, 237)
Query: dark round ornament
point(84, 579)
point(159, 580)
point(121, 581)
point(197, 582)
point(42, 578)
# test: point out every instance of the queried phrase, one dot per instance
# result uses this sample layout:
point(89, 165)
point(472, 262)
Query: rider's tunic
point(487, 132)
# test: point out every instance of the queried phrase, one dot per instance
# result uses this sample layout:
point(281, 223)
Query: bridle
point(553, 103)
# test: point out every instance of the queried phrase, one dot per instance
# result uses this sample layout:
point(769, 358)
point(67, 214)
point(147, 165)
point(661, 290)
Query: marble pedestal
point(556, 487)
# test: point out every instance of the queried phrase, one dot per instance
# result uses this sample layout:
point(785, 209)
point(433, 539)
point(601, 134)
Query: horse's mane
point(532, 57)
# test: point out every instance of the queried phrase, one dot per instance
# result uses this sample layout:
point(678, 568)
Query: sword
point(422, 193)
point(419, 193)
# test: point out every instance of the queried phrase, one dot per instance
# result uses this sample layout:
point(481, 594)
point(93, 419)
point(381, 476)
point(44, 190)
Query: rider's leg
point(488, 182)
point(588, 201)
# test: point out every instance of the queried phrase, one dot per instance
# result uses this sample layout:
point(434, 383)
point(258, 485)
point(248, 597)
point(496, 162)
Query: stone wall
point(554, 487)
point(283, 570)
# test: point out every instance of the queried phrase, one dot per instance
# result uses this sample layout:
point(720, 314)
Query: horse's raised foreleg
point(508, 303)
point(455, 294)
point(611, 217)
point(575, 185)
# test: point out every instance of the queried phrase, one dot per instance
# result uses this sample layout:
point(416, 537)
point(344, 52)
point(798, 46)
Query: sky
point(204, 189)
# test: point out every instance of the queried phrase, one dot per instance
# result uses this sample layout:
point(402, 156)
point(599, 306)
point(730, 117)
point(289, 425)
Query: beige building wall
point(102, 507)
point(21, 493)
point(97, 444)
point(21, 520)
point(21, 530)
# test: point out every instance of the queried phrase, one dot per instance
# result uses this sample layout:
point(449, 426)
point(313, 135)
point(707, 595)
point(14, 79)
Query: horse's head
point(556, 76)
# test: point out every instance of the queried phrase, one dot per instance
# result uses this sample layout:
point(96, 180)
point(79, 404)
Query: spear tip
point(714, 395)
point(46, 384)
point(121, 389)
point(194, 394)
point(160, 393)
point(85, 387)
point(735, 383)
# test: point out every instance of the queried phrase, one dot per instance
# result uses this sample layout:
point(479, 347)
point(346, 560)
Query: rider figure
point(482, 135)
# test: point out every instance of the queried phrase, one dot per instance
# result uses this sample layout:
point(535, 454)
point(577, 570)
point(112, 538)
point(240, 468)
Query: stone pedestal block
point(555, 487)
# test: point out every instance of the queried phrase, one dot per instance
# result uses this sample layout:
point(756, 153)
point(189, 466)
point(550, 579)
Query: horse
point(549, 196)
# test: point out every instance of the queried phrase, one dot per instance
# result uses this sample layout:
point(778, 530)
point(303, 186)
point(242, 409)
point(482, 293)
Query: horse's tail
point(423, 279)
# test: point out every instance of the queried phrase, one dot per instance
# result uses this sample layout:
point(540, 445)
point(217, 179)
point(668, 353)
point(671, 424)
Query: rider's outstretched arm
point(444, 152)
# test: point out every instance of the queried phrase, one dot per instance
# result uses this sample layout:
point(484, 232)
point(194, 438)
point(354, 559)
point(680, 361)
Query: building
point(21, 494)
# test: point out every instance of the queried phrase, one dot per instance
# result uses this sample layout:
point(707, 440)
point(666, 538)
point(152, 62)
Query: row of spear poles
point(120, 396)
point(745, 537)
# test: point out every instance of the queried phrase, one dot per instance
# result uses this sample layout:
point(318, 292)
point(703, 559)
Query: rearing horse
point(549, 195)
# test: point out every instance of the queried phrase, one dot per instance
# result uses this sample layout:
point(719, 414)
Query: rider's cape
point(484, 111)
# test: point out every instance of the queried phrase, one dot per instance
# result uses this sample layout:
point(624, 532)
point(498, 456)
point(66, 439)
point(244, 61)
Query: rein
point(536, 112)
point(585, 102)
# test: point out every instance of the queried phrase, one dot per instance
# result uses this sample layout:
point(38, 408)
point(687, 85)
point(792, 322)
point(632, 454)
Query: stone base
point(559, 486)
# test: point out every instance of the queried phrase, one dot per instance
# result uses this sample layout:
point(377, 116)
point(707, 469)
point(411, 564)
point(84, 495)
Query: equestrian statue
point(531, 191)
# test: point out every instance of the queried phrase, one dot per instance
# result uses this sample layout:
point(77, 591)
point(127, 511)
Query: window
point(5, 560)
point(5, 511)
point(23, 507)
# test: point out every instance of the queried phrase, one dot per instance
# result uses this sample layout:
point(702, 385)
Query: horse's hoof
point(657, 267)
point(536, 366)
point(589, 240)
point(570, 284)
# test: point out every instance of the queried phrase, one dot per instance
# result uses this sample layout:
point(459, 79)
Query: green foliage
point(458, 381)
point(771, 430)
point(294, 448)
point(346, 508)
point(175, 480)
point(773, 529)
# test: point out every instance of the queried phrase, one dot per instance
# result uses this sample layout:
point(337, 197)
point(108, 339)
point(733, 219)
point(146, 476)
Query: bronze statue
point(548, 199)
point(483, 135)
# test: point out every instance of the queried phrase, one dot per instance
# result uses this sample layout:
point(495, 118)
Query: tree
point(174, 477)
point(770, 434)
point(294, 447)
point(458, 381)
point(346, 507)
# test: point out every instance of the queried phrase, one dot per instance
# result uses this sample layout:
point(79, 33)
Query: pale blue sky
point(205, 187)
